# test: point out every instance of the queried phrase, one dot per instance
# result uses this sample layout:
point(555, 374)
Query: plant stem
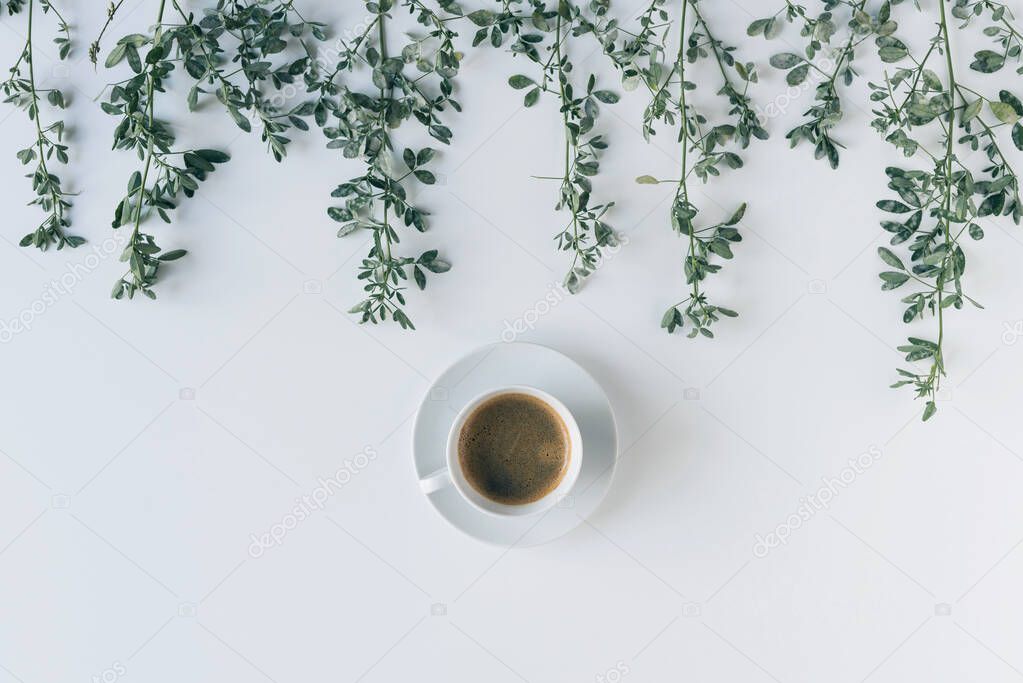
point(848, 45)
point(682, 190)
point(714, 43)
point(150, 117)
point(939, 368)
point(34, 107)
point(382, 37)
point(567, 179)
point(94, 48)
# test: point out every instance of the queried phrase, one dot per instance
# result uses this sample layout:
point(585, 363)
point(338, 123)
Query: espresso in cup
point(514, 448)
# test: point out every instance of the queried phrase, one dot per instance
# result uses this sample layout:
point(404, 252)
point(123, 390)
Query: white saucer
point(505, 364)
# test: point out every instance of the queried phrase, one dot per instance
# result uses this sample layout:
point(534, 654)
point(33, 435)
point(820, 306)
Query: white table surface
point(142, 444)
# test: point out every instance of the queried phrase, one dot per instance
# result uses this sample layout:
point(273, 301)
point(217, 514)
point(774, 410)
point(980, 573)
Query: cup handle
point(434, 482)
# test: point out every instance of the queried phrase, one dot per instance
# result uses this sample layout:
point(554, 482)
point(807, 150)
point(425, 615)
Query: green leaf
point(891, 53)
point(115, 56)
point(437, 266)
point(987, 61)
point(1017, 136)
point(892, 206)
point(646, 180)
point(426, 177)
point(347, 229)
point(929, 410)
point(403, 320)
point(1010, 99)
point(893, 280)
point(785, 60)
point(992, 205)
point(531, 97)
point(971, 110)
point(890, 258)
point(572, 282)
point(668, 319)
point(172, 255)
point(737, 216)
point(606, 96)
point(921, 113)
point(214, 156)
point(1004, 112)
point(797, 75)
point(339, 214)
point(519, 81)
point(721, 248)
point(240, 119)
point(757, 27)
point(481, 17)
point(194, 161)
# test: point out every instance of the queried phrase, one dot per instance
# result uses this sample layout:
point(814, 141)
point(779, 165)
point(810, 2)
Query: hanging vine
point(236, 52)
point(417, 86)
point(939, 201)
point(246, 54)
point(21, 89)
point(937, 204)
point(829, 58)
point(705, 147)
point(531, 29)
point(166, 173)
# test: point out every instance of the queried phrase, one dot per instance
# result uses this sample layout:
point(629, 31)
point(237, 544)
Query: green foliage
point(414, 87)
point(20, 89)
point(542, 32)
point(166, 174)
point(829, 55)
point(236, 52)
point(96, 45)
point(705, 147)
point(247, 80)
point(1002, 32)
point(938, 201)
point(941, 199)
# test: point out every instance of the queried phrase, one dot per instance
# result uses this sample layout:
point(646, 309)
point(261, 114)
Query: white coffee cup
point(452, 475)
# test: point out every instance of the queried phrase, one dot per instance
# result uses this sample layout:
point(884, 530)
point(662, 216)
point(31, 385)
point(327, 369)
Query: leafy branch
point(97, 45)
point(704, 147)
point(247, 82)
point(586, 233)
point(946, 198)
point(360, 126)
point(837, 66)
point(163, 176)
point(21, 89)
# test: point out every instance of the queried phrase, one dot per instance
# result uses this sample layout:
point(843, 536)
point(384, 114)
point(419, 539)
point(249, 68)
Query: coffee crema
point(514, 448)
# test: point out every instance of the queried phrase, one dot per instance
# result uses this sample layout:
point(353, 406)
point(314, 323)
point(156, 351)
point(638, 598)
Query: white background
point(142, 443)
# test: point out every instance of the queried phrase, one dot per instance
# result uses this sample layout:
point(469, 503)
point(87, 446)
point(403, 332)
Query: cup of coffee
point(511, 451)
